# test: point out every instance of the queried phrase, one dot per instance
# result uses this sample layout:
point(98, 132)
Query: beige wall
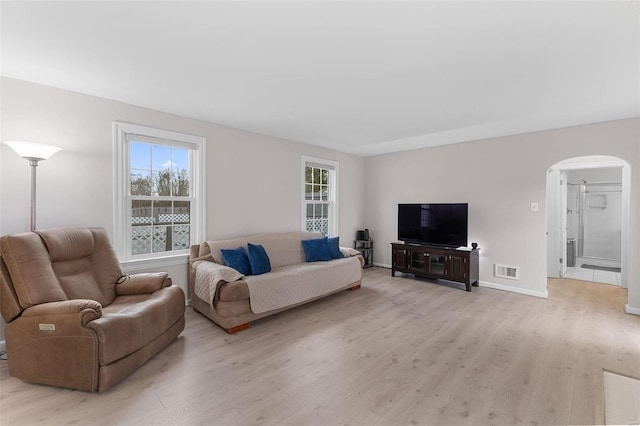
point(499, 178)
point(253, 181)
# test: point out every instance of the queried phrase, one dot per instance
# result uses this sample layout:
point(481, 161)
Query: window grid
point(319, 198)
point(160, 214)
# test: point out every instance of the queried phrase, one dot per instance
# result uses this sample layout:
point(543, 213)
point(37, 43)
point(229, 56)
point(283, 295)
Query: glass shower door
point(602, 221)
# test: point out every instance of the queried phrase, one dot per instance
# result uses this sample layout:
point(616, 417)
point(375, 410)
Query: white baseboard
point(541, 294)
point(630, 310)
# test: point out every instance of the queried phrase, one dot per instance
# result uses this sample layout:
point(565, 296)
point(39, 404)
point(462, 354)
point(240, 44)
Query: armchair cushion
point(84, 262)
point(30, 268)
point(131, 322)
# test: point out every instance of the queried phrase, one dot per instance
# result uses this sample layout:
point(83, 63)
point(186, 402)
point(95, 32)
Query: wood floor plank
point(397, 351)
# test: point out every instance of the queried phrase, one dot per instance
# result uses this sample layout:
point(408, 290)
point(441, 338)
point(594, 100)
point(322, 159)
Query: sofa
point(73, 318)
point(233, 299)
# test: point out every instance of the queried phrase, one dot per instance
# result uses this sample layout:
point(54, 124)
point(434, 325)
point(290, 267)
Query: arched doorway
point(572, 204)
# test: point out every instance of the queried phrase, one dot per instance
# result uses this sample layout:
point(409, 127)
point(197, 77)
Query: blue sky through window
point(162, 157)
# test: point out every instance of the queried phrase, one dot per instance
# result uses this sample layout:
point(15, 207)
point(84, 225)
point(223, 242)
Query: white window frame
point(333, 181)
point(122, 132)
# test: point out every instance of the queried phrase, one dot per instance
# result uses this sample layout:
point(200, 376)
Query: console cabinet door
point(437, 263)
point(399, 258)
point(418, 261)
point(458, 267)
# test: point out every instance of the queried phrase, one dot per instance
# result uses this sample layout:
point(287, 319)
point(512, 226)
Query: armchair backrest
point(58, 264)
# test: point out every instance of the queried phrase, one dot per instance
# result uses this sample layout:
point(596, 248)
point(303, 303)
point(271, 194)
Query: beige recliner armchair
point(73, 319)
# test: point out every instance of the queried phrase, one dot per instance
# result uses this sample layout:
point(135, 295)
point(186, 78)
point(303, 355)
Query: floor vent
point(504, 271)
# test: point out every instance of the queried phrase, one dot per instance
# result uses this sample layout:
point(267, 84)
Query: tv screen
point(437, 224)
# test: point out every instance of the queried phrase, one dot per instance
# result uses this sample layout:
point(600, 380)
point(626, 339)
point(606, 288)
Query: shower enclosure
point(594, 219)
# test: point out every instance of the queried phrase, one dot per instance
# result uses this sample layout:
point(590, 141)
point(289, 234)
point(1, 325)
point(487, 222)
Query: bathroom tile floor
point(593, 275)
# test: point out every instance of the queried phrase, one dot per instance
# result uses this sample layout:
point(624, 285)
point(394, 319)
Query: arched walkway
point(556, 196)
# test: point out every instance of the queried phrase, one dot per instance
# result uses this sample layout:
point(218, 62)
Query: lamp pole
point(33, 162)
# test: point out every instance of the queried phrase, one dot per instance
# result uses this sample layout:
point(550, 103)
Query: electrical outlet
point(534, 207)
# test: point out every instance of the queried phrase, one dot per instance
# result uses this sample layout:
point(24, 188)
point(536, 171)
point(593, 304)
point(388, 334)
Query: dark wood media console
point(436, 262)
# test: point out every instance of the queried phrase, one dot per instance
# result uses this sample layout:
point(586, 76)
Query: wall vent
point(504, 271)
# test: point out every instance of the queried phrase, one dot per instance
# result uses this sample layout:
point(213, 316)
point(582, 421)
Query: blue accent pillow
point(334, 248)
point(316, 250)
point(258, 259)
point(237, 259)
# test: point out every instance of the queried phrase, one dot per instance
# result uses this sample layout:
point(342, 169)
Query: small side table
point(365, 247)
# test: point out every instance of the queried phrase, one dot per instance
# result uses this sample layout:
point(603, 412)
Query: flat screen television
point(433, 224)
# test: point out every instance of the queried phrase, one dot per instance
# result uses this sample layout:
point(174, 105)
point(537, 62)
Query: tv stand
point(436, 263)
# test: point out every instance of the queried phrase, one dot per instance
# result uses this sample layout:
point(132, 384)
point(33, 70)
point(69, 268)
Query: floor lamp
point(33, 152)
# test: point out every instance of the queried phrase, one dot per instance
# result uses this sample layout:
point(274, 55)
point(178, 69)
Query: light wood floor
point(397, 351)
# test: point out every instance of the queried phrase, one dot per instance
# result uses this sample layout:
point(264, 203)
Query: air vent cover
point(504, 271)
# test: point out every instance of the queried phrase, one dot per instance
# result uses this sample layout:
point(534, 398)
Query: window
point(159, 192)
point(320, 197)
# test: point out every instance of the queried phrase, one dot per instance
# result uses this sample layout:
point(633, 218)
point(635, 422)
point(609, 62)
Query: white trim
point(602, 162)
point(121, 130)
point(595, 164)
point(382, 265)
point(630, 310)
point(519, 290)
point(141, 265)
point(334, 228)
point(3, 345)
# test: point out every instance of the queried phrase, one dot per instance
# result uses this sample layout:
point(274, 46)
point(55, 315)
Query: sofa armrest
point(349, 252)
point(87, 310)
point(210, 275)
point(221, 274)
point(145, 283)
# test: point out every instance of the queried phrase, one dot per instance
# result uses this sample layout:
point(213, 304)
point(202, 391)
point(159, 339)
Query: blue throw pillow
point(258, 259)
point(316, 250)
point(334, 248)
point(237, 259)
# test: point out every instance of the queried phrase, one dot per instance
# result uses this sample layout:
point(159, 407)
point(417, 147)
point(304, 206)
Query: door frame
point(554, 212)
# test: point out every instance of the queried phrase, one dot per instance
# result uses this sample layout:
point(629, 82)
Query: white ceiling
point(360, 77)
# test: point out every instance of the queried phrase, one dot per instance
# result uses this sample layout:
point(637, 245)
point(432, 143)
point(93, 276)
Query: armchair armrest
point(52, 343)
point(87, 310)
point(145, 283)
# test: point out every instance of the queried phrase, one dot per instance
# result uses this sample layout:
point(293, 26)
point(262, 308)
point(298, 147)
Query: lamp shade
point(33, 150)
